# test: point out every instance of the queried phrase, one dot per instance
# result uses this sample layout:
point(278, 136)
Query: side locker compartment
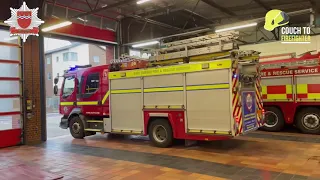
point(307, 88)
point(277, 89)
point(165, 93)
point(208, 102)
point(126, 105)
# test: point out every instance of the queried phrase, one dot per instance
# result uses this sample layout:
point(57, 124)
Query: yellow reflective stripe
point(105, 97)
point(126, 131)
point(205, 87)
point(95, 130)
point(66, 103)
point(208, 131)
point(276, 96)
point(168, 89)
point(264, 89)
point(125, 91)
point(302, 88)
point(289, 89)
point(313, 95)
point(94, 121)
point(87, 103)
point(164, 89)
point(184, 68)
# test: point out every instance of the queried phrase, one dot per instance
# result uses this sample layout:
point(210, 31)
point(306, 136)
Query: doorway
point(61, 54)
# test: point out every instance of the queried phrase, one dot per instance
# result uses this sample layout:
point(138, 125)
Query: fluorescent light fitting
point(142, 1)
point(236, 27)
point(145, 44)
point(82, 19)
point(57, 26)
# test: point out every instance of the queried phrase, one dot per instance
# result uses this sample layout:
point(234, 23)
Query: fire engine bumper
point(64, 123)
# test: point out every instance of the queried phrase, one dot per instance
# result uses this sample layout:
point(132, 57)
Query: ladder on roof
point(203, 48)
point(178, 51)
point(306, 59)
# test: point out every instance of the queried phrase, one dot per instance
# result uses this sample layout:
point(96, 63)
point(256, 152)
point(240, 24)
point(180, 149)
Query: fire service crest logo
point(24, 22)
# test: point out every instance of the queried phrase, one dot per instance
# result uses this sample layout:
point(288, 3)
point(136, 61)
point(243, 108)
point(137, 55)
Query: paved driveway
point(53, 129)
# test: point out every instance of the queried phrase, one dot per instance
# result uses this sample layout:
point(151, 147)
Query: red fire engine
point(218, 98)
point(291, 93)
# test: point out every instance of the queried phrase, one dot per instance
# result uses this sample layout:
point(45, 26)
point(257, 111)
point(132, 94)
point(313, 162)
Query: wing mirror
point(56, 80)
point(55, 90)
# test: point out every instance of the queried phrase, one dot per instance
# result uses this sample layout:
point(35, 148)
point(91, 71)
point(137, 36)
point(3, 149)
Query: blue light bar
point(76, 67)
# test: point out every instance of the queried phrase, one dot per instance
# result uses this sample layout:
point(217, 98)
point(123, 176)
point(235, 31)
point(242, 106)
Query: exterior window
point(96, 59)
point(48, 60)
point(49, 76)
point(57, 59)
point(92, 84)
point(70, 56)
point(68, 86)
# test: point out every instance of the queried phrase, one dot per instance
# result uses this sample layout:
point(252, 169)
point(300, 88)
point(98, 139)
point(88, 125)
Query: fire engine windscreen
point(68, 86)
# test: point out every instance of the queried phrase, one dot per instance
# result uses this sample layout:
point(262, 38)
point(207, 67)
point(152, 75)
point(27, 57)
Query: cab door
point(90, 97)
point(68, 94)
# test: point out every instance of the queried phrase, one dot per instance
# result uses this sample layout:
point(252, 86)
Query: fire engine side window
point(68, 86)
point(92, 84)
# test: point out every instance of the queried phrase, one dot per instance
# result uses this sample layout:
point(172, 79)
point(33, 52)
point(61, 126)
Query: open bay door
point(10, 90)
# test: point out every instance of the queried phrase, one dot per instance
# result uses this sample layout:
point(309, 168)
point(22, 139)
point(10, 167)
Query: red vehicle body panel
point(289, 109)
point(177, 121)
point(99, 94)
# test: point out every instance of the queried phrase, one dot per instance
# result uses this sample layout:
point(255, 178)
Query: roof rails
point(306, 59)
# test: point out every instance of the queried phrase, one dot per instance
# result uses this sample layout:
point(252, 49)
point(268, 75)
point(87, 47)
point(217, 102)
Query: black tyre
point(274, 120)
point(160, 133)
point(76, 128)
point(308, 120)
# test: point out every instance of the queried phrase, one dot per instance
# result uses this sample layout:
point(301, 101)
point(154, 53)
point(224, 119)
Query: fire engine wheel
point(76, 128)
point(160, 133)
point(308, 121)
point(274, 120)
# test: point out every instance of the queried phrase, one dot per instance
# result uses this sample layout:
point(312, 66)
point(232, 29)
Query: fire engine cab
point(291, 92)
point(215, 95)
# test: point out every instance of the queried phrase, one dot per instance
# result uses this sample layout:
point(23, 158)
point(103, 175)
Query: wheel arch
point(74, 113)
point(156, 116)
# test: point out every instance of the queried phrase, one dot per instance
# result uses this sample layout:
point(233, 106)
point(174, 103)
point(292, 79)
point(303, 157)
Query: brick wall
point(32, 89)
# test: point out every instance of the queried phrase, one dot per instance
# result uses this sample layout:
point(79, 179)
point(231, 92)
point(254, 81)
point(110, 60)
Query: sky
point(50, 43)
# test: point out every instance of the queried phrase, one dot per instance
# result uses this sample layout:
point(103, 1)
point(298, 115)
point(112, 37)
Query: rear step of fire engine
point(94, 126)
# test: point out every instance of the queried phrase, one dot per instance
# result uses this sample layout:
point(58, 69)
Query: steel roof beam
point(217, 6)
point(266, 7)
point(104, 8)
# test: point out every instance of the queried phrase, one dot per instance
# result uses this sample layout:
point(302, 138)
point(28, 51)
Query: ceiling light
point(145, 44)
point(82, 19)
point(57, 26)
point(142, 1)
point(236, 27)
